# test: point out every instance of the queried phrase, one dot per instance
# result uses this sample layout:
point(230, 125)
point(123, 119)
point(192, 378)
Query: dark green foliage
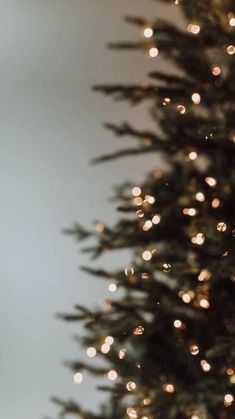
point(188, 279)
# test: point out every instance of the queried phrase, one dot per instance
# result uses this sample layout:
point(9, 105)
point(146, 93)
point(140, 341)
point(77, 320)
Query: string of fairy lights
point(142, 203)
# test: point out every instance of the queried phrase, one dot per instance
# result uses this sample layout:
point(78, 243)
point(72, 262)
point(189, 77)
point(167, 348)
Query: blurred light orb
point(148, 32)
point(112, 375)
point(91, 352)
point(78, 378)
point(153, 52)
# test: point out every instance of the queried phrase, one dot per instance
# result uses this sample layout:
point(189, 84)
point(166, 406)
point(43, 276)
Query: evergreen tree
point(168, 341)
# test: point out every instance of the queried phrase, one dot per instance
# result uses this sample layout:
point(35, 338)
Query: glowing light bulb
point(196, 98)
point(205, 365)
point(166, 267)
point(193, 28)
point(109, 340)
point(186, 298)
point(228, 399)
point(78, 378)
point(221, 227)
point(129, 271)
point(204, 303)
point(193, 155)
point(153, 52)
point(150, 199)
point(138, 331)
point(194, 350)
point(232, 21)
point(181, 109)
point(148, 32)
point(122, 353)
point(200, 197)
point(91, 352)
point(231, 49)
point(156, 219)
point(211, 181)
point(178, 324)
point(112, 375)
point(131, 386)
point(105, 348)
point(147, 225)
point(204, 275)
point(131, 412)
point(136, 191)
point(147, 255)
point(112, 287)
point(216, 70)
point(169, 388)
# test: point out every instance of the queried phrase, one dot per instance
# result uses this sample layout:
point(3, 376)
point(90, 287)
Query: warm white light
point(78, 378)
point(215, 203)
point(105, 348)
point(112, 287)
point(150, 199)
point(131, 386)
point(109, 340)
point(204, 275)
point(147, 255)
point(169, 388)
point(228, 398)
point(221, 227)
point(156, 219)
point(194, 349)
point(205, 366)
point(147, 225)
point(153, 52)
point(196, 98)
point(129, 271)
point(138, 331)
point(91, 352)
point(122, 353)
point(232, 21)
point(136, 191)
point(193, 155)
point(198, 239)
point(112, 375)
point(216, 70)
point(131, 413)
point(193, 28)
point(200, 197)
point(204, 303)
point(211, 181)
point(148, 32)
point(186, 298)
point(231, 50)
point(181, 109)
point(178, 324)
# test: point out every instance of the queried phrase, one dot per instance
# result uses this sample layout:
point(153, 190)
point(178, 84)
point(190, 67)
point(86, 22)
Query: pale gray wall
point(52, 51)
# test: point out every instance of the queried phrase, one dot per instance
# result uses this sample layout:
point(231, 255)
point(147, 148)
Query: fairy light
point(147, 401)
point(131, 412)
point(232, 21)
point(204, 275)
point(205, 365)
point(150, 199)
point(228, 399)
point(91, 352)
point(147, 255)
point(105, 348)
point(193, 28)
point(195, 417)
point(231, 49)
point(112, 375)
point(181, 109)
point(216, 70)
point(211, 181)
point(136, 191)
point(78, 378)
point(186, 298)
point(129, 271)
point(196, 98)
point(112, 287)
point(215, 203)
point(156, 219)
point(222, 227)
point(153, 52)
point(232, 379)
point(194, 350)
point(190, 211)
point(138, 201)
point(166, 267)
point(109, 340)
point(131, 386)
point(140, 213)
point(204, 303)
point(178, 324)
point(166, 101)
point(200, 197)
point(122, 353)
point(138, 331)
point(147, 225)
point(230, 371)
point(169, 388)
point(199, 239)
point(193, 155)
point(148, 32)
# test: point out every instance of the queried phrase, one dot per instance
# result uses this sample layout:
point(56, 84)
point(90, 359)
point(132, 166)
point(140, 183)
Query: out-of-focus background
point(52, 51)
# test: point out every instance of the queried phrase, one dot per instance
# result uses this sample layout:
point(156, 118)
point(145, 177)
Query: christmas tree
point(167, 342)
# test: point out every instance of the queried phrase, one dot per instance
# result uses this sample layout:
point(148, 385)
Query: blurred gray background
point(52, 51)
